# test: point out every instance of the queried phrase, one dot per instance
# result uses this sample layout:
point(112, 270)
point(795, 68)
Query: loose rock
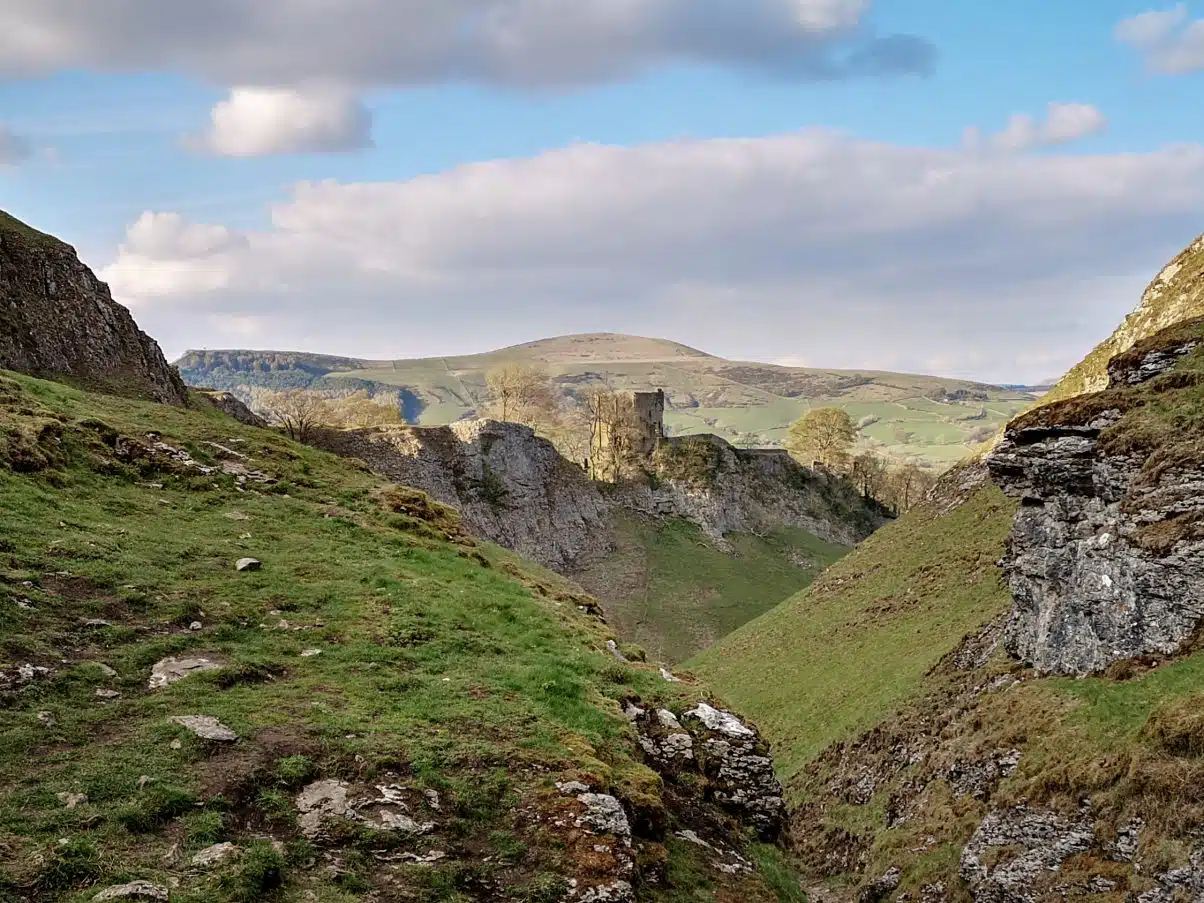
point(135, 890)
point(206, 727)
point(248, 564)
point(211, 856)
point(169, 670)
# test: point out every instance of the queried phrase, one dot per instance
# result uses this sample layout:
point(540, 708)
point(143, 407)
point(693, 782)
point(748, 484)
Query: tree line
point(826, 438)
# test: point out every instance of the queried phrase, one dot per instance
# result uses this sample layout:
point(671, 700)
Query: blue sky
point(106, 145)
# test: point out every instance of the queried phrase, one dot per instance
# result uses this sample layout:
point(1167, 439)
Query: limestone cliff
point(1106, 557)
point(510, 486)
point(58, 321)
point(513, 488)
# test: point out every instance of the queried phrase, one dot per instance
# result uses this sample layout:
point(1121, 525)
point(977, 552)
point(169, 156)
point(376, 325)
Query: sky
point(978, 190)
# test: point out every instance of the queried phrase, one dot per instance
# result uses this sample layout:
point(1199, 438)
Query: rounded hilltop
point(603, 346)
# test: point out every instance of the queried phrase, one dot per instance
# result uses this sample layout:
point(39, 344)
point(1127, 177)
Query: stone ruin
point(629, 434)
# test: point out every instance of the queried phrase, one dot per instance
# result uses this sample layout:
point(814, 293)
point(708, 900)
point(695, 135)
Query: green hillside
point(842, 654)
point(671, 590)
point(375, 644)
point(878, 728)
point(925, 417)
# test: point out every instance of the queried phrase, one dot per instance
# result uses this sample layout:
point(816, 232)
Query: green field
point(745, 402)
point(671, 590)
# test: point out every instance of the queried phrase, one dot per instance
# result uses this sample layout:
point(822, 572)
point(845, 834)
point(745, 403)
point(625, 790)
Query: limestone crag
point(513, 488)
point(725, 490)
point(58, 321)
point(1091, 584)
point(1176, 294)
point(229, 404)
point(510, 486)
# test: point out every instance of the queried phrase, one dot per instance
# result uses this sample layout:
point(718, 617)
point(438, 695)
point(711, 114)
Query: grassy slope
point(1176, 294)
point(438, 663)
point(741, 401)
point(847, 651)
point(670, 590)
point(1131, 741)
point(797, 713)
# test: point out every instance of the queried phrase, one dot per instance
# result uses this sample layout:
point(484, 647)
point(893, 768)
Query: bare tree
point(359, 410)
point(610, 419)
point(869, 474)
point(298, 411)
point(520, 393)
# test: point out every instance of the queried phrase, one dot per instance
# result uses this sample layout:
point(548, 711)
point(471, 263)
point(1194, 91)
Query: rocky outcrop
point(58, 321)
point(725, 490)
point(729, 756)
point(1176, 294)
point(1102, 561)
point(513, 488)
point(229, 404)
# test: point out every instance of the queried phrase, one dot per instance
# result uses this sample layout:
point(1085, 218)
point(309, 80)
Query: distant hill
point(749, 403)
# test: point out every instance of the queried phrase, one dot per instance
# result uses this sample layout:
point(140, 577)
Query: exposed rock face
point(729, 490)
point(228, 403)
point(514, 488)
point(716, 744)
point(58, 321)
point(1089, 589)
point(510, 486)
point(1032, 843)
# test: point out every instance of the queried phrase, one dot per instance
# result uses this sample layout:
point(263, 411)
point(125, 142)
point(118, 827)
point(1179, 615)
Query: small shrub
point(260, 874)
point(155, 807)
point(293, 771)
point(70, 865)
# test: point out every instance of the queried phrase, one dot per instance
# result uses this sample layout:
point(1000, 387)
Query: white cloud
point(1169, 42)
point(411, 42)
point(164, 257)
point(13, 148)
point(812, 245)
point(257, 122)
point(1064, 123)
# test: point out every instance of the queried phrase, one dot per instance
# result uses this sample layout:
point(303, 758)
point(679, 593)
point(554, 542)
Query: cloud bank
point(528, 43)
point(1169, 41)
point(774, 247)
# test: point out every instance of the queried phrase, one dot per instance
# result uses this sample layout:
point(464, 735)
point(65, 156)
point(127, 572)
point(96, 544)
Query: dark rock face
point(1088, 590)
point(58, 321)
point(227, 403)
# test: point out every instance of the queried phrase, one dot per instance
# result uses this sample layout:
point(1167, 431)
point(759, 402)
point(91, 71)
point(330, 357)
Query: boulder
point(206, 727)
point(169, 670)
point(135, 890)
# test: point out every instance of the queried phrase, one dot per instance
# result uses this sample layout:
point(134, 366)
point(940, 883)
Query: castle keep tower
point(648, 421)
point(626, 432)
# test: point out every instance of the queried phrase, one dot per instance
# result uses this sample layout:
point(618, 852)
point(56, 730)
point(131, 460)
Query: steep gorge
point(957, 763)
